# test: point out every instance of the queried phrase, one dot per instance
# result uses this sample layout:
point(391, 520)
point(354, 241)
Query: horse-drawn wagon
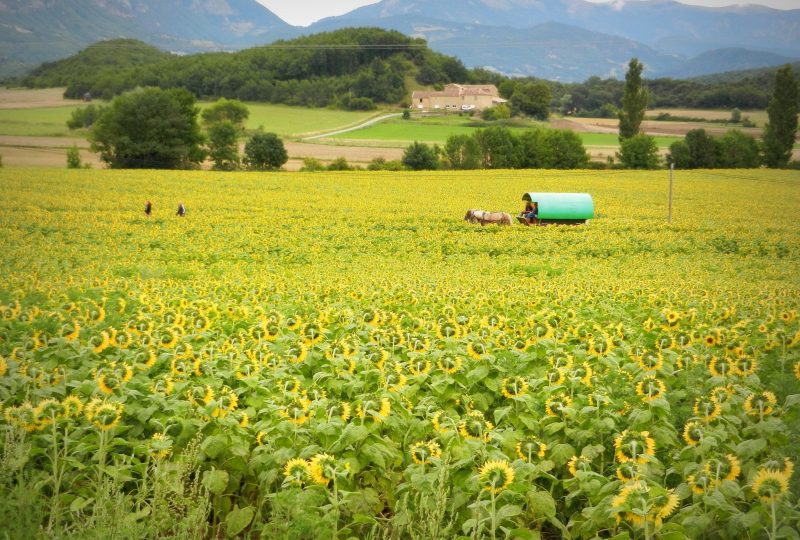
point(561, 208)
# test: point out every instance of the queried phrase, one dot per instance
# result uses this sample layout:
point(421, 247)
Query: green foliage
point(534, 150)
point(104, 69)
point(736, 116)
point(223, 145)
point(679, 155)
point(567, 149)
point(339, 164)
point(497, 112)
point(381, 164)
point(226, 110)
point(532, 99)
point(496, 145)
point(345, 68)
point(461, 152)
point(703, 150)
point(779, 133)
point(73, 158)
point(639, 152)
point(311, 164)
point(419, 156)
point(149, 129)
point(406, 115)
point(634, 101)
point(738, 151)
point(85, 117)
point(265, 151)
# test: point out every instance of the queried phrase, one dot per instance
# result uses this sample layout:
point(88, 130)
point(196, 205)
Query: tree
point(339, 164)
point(703, 149)
point(639, 152)
point(779, 133)
point(265, 151)
point(566, 148)
point(533, 99)
point(462, 152)
point(227, 110)
point(419, 156)
point(738, 150)
point(496, 148)
point(634, 101)
point(223, 145)
point(679, 155)
point(149, 129)
point(533, 150)
point(84, 117)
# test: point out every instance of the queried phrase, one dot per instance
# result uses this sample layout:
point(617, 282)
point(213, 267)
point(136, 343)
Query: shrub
point(419, 156)
point(265, 151)
point(639, 152)
point(73, 158)
point(406, 114)
point(311, 164)
point(738, 150)
point(339, 164)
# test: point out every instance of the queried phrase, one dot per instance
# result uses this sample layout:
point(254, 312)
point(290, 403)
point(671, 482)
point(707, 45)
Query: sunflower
point(72, 406)
point(650, 388)
point(323, 468)
point(163, 386)
point(475, 427)
point(651, 361)
point(160, 446)
point(296, 354)
point(556, 376)
point(628, 472)
point(496, 475)
point(583, 373)
point(200, 395)
point(744, 366)
point(530, 447)
point(296, 471)
point(22, 416)
point(761, 404)
point(632, 446)
point(707, 408)
point(296, 411)
point(436, 422)
point(579, 463)
point(561, 361)
point(423, 452)
point(3, 366)
point(693, 432)
point(720, 367)
point(449, 363)
point(556, 405)
point(225, 403)
point(419, 367)
point(514, 387)
point(658, 502)
point(477, 349)
point(294, 322)
point(104, 415)
point(770, 485)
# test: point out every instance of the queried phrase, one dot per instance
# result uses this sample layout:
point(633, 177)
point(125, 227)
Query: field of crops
point(340, 355)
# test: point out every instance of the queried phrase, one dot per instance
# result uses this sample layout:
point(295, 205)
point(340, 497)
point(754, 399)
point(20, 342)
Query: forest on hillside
point(354, 68)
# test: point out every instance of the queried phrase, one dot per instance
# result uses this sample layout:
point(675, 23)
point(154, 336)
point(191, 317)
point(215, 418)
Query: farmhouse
point(457, 97)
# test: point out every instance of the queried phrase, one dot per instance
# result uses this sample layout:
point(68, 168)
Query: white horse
point(483, 217)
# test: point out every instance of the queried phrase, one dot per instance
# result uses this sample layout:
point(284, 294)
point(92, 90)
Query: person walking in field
point(181, 210)
point(148, 208)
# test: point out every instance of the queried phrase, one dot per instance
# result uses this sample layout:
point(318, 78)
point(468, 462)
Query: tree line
point(357, 68)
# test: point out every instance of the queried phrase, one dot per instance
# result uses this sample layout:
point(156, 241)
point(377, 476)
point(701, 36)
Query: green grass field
point(281, 119)
point(290, 121)
point(612, 139)
point(36, 122)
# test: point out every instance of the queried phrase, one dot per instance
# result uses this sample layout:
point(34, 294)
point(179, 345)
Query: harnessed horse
point(483, 217)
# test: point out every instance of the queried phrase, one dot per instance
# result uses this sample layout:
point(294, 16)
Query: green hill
point(352, 68)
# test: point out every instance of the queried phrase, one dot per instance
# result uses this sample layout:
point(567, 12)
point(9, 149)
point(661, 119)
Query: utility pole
point(671, 168)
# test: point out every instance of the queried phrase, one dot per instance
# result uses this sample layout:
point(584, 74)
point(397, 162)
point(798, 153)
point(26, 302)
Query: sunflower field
point(340, 355)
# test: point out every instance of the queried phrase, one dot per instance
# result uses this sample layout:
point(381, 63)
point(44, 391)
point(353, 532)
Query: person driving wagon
point(531, 213)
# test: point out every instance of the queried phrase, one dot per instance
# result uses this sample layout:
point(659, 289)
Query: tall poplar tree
point(634, 101)
point(779, 133)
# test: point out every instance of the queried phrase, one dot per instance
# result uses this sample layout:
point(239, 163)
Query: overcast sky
point(305, 12)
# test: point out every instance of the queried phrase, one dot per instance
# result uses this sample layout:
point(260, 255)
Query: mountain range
point(566, 40)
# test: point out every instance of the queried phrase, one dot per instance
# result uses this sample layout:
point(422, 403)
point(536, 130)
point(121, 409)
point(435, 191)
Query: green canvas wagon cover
point(562, 206)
